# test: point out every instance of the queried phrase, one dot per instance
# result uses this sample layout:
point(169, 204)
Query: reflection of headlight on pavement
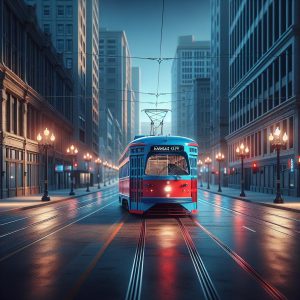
point(168, 189)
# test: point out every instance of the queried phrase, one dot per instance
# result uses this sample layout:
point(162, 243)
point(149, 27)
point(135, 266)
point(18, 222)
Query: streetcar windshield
point(162, 165)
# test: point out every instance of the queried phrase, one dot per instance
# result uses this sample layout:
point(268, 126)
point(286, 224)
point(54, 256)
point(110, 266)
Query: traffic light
point(254, 168)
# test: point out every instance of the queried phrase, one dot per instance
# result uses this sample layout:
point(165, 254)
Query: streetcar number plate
point(168, 148)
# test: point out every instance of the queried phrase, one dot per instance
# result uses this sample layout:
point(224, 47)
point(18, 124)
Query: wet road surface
point(90, 248)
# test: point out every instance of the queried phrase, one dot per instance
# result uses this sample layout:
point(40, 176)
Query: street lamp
point(45, 142)
point(200, 163)
point(220, 158)
point(72, 152)
point(278, 141)
point(207, 161)
point(87, 158)
point(242, 152)
point(98, 162)
point(104, 170)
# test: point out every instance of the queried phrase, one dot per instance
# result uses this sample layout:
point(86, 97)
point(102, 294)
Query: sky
point(141, 21)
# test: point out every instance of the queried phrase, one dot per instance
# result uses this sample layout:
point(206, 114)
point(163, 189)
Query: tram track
point(52, 217)
point(135, 282)
point(205, 281)
point(53, 209)
point(272, 291)
point(12, 253)
point(258, 207)
point(253, 218)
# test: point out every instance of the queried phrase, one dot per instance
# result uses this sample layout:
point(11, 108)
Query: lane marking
point(50, 234)
point(94, 262)
point(48, 219)
point(249, 229)
point(276, 294)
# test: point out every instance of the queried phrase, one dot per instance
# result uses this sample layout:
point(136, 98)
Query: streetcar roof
point(165, 140)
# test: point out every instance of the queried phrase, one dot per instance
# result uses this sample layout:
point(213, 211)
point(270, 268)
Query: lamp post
point(98, 162)
point(109, 173)
point(87, 158)
point(220, 158)
point(278, 141)
point(207, 161)
point(200, 163)
point(104, 170)
point(45, 141)
point(72, 152)
point(242, 152)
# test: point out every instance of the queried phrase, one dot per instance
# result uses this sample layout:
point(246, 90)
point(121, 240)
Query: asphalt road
point(90, 248)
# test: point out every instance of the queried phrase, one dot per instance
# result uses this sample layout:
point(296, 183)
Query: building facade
point(35, 89)
point(192, 60)
point(219, 82)
point(115, 81)
point(136, 84)
point(201, 94)
point(264, 90)
point(74, 29)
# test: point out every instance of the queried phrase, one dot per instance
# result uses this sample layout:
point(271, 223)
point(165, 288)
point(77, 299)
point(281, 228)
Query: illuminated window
point(162, 165)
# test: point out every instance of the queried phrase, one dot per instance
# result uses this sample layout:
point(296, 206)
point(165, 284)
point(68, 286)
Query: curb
point(251, 201)
point(50, 202)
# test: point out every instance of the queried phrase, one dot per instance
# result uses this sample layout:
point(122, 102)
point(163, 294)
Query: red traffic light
point(254, 168)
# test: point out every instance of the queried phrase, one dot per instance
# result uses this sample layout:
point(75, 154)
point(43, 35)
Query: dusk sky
point(141, 20)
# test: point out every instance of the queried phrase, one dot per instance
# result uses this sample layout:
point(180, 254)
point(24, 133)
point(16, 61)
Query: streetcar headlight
point(168, 189)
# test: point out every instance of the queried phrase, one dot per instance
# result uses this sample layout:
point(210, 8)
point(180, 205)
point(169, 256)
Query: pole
point(46, 195)
point(220, 190)
point(208, 187)
point(242, 178)
point(98, 176)
point(88, 177)
point(72, 178)
point(104, 176)
point(279, 198)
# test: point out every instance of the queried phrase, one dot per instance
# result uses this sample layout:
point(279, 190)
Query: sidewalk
point(14, 204)
point(290, 203)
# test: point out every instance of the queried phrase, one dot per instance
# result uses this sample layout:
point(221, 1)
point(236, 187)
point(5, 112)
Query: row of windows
point(275, 21)
point(24, 56)
point(64, 45)
point(258, 142)
point(268, 90)
point(61, 10)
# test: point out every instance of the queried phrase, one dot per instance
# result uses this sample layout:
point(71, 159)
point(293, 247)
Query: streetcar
point(157, 170)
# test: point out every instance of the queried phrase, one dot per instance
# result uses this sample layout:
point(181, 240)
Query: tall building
point(73, 27)
point(264, 90)
point(35, 94)
point(136, 84)
point(115, 80)
point(192, 60)
point(219, 83)
point(201, 122)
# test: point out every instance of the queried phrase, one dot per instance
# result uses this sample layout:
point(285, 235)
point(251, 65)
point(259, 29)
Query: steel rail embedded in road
point(243, 264)
point(135, 283)
point(259, 207)
point(253, 217)
point(55, 231)
point(206, 283)
point(50, 218)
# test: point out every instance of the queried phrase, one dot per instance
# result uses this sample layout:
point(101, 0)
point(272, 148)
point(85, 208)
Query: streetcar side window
point(162, 165)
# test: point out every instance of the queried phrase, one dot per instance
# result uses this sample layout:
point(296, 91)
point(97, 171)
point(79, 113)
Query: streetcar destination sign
point(167, 148)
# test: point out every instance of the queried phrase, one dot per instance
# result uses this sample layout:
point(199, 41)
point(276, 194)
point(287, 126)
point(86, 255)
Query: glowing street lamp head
point(39, 137)
point(285, 137)
point(247, 150)
point(46, 132)
point(277, 132)
point(271, 137)
point(52, 137)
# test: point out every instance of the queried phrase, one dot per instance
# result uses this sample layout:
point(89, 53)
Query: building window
point(60, 29)
point(60, 45)
point(47, 28)
point(69, 11)
point(46, 10)
point(81, 135)
point(69, 63)
point(69, 45)
point(60, 10)
point(69, 29)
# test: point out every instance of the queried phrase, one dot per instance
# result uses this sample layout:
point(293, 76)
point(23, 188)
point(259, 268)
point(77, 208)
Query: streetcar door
point(139, 177)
